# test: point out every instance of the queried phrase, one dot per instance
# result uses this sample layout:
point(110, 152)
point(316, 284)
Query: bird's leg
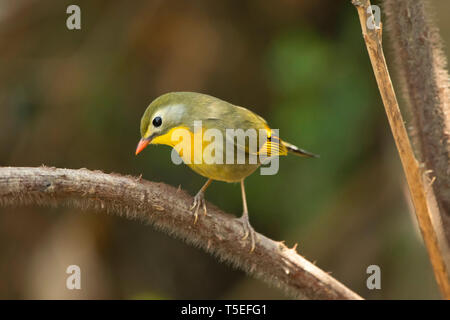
point(248, 229)
point(199, 200)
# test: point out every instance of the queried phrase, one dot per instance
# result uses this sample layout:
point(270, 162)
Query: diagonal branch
point(415, 176)
point(168, 209)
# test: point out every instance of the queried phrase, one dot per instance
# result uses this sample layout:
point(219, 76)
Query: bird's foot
point(249, 232)
point(199, 201)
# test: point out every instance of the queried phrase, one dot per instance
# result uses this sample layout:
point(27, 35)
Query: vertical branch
point(413, 173)
point(422, 68)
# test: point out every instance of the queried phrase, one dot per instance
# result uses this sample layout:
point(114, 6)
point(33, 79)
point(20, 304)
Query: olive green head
point(169, 111)
point(164, 113)
point(172, 110)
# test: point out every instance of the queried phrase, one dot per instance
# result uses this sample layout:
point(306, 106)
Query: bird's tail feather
point(300, 152)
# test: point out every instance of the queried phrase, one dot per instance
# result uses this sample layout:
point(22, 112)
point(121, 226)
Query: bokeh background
point(74, 99)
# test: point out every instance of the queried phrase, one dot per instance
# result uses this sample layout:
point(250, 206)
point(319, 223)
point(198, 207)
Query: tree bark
point(421, 65)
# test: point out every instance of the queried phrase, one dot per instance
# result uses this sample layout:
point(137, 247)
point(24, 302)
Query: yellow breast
point(191, 148)
point(189, 145)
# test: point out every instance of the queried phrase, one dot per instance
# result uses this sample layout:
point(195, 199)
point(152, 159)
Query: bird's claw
point(199, 201)
point(248, 232)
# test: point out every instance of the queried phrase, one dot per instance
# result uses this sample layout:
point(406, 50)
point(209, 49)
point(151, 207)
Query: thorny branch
point(168, 209)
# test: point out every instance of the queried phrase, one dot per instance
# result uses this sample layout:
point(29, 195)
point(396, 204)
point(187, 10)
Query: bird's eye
point(157, 121)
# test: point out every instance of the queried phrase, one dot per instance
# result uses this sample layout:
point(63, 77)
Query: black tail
point(298, 151)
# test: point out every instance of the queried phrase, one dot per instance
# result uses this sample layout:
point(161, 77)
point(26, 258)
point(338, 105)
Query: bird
point(178, 118)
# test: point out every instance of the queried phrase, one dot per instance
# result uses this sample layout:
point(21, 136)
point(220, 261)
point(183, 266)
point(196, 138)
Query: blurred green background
point(74, 99)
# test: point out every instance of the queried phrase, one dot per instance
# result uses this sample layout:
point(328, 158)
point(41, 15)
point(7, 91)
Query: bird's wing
point(267, 143)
